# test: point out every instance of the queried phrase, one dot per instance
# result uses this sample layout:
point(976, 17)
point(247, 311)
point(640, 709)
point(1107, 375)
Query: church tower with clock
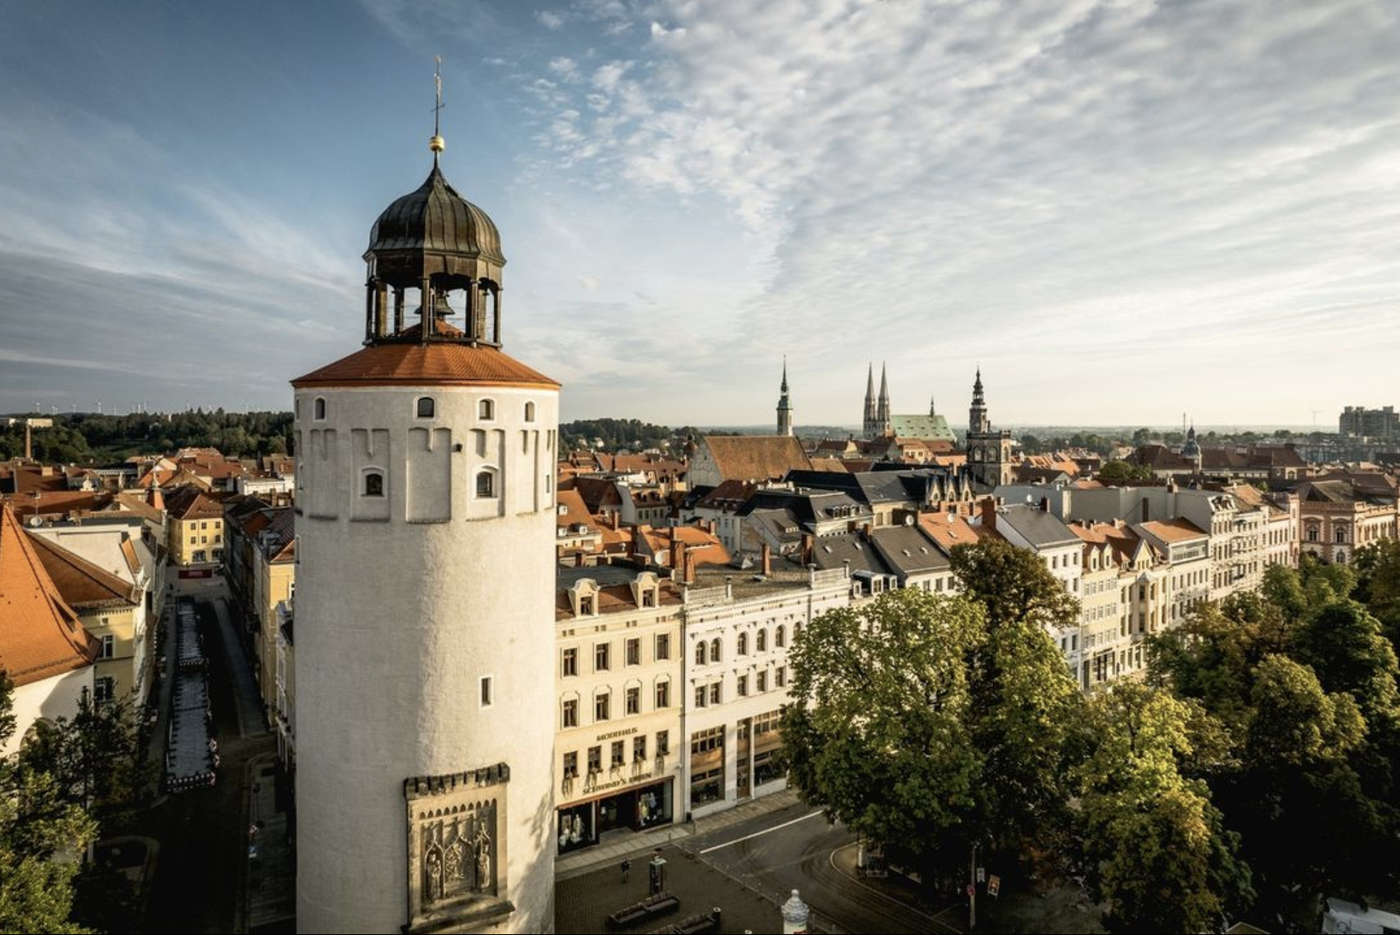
point(425, 521)
point(988, 449)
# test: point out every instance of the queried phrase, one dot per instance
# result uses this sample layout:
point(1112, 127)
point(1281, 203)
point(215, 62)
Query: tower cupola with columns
point(425, 522)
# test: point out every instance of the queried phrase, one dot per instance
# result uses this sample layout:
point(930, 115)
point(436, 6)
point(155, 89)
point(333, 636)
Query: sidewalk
point(590, 858)
point(269, 892)
point(245, 689)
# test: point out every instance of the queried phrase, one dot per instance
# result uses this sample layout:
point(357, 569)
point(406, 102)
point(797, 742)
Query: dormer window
point(318, 408)
point(426, 407)
point(585, 607)
point(486, 409)
point(374, 484)
point(648, 598)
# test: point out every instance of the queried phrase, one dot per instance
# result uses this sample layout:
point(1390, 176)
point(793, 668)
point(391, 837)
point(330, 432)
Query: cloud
point(549, 19)
point(1188, 189)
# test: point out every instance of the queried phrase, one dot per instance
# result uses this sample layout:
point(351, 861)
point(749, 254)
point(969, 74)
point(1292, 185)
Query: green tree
point(879, 734)
point(1343, 644)
point(94, 758)
point(41, 838)
point(1121, 472)
point(1155, 847)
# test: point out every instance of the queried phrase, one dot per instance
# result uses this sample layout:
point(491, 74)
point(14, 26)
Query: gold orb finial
point(437, 144)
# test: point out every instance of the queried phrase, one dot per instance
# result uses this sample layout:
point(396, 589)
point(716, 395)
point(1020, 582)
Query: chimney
point(710, 526)
point(808, 540)
point(1146, 510)
point(154, 497)
point(989, 514)
point(767, 559)
point(677, 553)
point(689, 561)
point(613, 518)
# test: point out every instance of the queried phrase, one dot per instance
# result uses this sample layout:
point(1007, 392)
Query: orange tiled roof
point(949, 530)
point(82, 584)
point(40, 636)
point(418, 364)
point(1173, 530)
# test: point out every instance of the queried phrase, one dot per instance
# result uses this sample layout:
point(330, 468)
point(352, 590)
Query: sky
point(1122, 211)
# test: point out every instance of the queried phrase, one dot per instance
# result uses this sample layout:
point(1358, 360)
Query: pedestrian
point(626, 867)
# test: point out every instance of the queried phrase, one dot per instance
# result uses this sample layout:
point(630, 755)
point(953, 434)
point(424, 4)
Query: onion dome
point(435, 219)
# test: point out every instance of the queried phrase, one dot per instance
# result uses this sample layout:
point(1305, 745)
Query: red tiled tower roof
point(416, 364)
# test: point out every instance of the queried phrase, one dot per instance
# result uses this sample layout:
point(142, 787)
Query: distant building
point(784, 406)
point(877, 421)
point(719, 458)
point(988, 449)
point(1361, 422)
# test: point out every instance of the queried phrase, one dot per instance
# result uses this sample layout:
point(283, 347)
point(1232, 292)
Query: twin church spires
point(876, 421)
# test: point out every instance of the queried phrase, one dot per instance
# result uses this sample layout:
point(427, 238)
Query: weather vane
point(437, 144)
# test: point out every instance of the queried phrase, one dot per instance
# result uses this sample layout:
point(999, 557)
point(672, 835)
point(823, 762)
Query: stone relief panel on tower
point(456, 849)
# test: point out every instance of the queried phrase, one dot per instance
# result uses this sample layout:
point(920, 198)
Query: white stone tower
point(424, 607)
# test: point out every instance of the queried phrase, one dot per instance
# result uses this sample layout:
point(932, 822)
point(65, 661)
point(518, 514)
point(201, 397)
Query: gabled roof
point(83, 585)
point(756, 457)
point(40, 636)
point(192, 503)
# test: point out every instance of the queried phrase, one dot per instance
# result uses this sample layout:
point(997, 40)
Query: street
point(795, 848)
point(200, 875)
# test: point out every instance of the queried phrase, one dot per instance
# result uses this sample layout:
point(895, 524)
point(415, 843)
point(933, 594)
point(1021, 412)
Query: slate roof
point(1039, 528)
point(40, 636)
point(908, 550)
point(834, 551)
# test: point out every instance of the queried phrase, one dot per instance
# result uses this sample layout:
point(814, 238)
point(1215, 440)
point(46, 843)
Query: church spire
point(867, 419)
point(784, 404)
point(882, 412)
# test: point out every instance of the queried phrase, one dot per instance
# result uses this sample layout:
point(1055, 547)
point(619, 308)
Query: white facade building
point(737, 634)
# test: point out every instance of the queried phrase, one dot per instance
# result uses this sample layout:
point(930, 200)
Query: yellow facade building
point(195, 527)
point(619, 746)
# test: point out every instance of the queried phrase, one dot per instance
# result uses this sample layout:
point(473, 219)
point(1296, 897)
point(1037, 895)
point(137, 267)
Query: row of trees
point(1248, 775)
point(620, 433)
point(71, 780)
point(88, 438)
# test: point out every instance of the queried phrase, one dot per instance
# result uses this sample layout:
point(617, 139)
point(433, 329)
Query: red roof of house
point(40, 636)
